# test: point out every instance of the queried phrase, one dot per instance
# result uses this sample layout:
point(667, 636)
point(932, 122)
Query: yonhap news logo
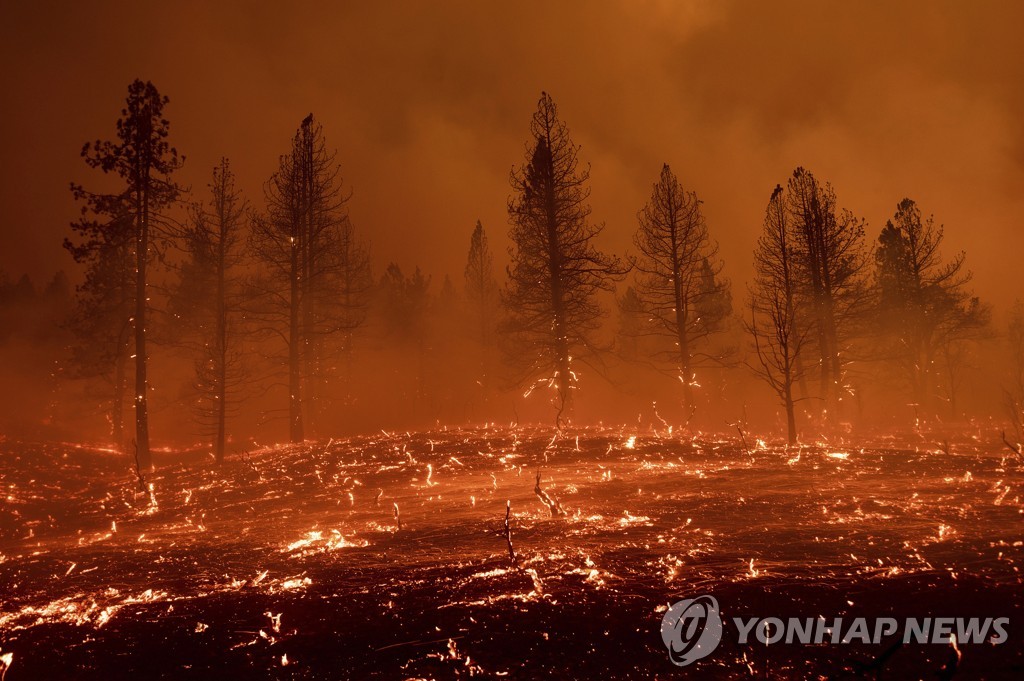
point(693, 628)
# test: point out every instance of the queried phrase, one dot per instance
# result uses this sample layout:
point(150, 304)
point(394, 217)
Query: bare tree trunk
point(295, 428)
point(141, 384)
point(684, 353)
point(309, 256)
point(790, 410)
point(222, 343)
point(563, 380)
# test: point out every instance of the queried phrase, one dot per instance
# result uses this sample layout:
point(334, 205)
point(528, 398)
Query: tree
point(678, 280)
point(406, 308)
point(208, 300)
point(130, 223)
point(304, 246)
point(925, 310)
point(633, 323)
point(556, 271)
point(482, 297)
point(355, 280)
point(778, 332)
point(101, 321)
point(829, 263)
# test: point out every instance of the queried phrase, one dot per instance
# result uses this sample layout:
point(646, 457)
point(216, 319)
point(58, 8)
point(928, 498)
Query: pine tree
point(830, 263)
point(128, 226)
point(926, 311)
point(678, 280)
point(207, 301)
point(556, 273)
point(779, 333)
point(304, 244)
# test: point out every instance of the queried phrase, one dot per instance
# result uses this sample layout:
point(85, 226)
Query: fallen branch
point(553, 506)
point(1013, 448)
point(743, 438)
point(420, 643)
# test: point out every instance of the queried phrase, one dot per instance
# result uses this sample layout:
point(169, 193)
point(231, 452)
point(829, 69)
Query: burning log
point(552, 504)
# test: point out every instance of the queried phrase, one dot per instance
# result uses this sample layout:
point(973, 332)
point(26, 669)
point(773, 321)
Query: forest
point(261, 318)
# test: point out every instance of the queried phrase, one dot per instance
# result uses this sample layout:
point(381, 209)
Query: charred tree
point(207, 299)
point(355, 281)
point(303, 244)
point(101, 321)
point(778, 333)
point(678, 280)
point(830, 266)
point(925, 311)
point(133, 218)
point(556, 273)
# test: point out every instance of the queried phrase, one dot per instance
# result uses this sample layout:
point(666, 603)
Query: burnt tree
point(303, 246)
point(830, 266)
point(926, 312)
point(556, 271)
point(778, 333)
point(207, 300)
point(135, 217)
point(678, 280)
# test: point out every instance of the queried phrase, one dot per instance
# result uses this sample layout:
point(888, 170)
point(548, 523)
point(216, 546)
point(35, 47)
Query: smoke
point(428, 106)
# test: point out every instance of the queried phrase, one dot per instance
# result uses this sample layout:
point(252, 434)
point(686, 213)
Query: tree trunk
point(141, 384)
point(790, 411)
point(310, 345)
point(222, 344)
point(295, 430)
point(684, 361)
point(563, 378)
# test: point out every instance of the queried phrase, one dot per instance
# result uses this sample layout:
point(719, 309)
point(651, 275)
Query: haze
point(427, 105)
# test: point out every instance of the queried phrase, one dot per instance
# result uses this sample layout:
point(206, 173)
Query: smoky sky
point(428, 106)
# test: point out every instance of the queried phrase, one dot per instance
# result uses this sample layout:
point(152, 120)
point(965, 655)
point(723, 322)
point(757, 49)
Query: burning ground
point(384, 556)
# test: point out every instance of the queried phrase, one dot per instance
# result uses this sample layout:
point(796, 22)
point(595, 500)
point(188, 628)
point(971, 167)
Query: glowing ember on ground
point(280, 555)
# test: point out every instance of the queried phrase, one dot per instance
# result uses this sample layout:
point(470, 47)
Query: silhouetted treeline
point(268, 321)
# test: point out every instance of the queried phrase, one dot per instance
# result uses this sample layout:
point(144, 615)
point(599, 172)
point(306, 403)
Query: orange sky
point(428, 104)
